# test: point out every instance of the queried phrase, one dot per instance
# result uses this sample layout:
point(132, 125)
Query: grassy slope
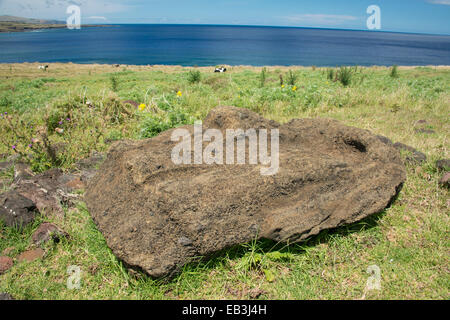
point(10, 26)
point(19, 27)
point(409, 241)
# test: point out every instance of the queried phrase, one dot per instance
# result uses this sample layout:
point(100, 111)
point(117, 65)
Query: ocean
point(205, 45)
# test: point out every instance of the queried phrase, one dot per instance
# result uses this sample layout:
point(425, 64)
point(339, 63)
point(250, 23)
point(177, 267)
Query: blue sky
point(423, 16)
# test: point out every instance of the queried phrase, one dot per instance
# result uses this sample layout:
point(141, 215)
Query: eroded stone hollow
point(156, 215)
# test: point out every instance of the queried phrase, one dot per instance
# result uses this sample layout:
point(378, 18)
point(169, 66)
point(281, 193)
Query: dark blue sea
point(203, 45)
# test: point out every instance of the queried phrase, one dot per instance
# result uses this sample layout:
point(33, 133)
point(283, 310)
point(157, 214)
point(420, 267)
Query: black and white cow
point(222, 69)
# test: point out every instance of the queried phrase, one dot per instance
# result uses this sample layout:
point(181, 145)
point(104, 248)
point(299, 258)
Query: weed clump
point(114, 111)
point(292, 78)
point(194, 76)
point(330, 74)
point(394, 72)
point(114, 83)
point(344, 75)
point(154, 124)
point(262, 77)
point(64, 132)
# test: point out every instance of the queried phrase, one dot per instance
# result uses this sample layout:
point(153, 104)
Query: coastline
point(12, 27)
point(63, 70)
point(170, 66)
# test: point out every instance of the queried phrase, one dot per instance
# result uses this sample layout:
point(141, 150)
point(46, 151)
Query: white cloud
point(320, 19)
point(97, 18)
point(444, 2)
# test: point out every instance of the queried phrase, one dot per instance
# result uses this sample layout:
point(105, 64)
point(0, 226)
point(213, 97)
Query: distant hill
point(6, 18)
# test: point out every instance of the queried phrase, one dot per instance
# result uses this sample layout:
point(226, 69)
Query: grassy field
point(409, 242)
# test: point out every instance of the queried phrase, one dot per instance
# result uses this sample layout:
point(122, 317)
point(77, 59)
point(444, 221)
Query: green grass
point(408, 241)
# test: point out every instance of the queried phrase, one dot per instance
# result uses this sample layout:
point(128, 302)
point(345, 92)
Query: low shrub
point(330, 74)
point(394, 71)
point(194, 76)
point(345, 75)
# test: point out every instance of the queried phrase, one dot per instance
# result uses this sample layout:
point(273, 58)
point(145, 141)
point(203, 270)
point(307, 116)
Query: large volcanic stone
point(156, 215)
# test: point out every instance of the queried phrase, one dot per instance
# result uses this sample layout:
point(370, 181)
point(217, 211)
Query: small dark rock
point(93, 269)
point(385, 140)
point(4, 296)
point(46, 232)
point(55, 179)
point(416, 157)
point(133, 103)
point(48, 190)
point(427, 131)
point(6, 263)
point(46, 201)
point(16, 210)
point(49, 179)
point(443, 165)
point(445, 180)
point(256, 293)
point(31, 255)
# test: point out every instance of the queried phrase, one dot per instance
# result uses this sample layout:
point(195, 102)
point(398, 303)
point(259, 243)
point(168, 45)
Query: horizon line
point(272, 26)
point(239, 25)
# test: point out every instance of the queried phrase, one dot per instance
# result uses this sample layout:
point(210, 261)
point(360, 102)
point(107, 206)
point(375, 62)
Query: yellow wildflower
point(142, 107)
point(179, 93)
point(294, 88)
point(282, 85)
